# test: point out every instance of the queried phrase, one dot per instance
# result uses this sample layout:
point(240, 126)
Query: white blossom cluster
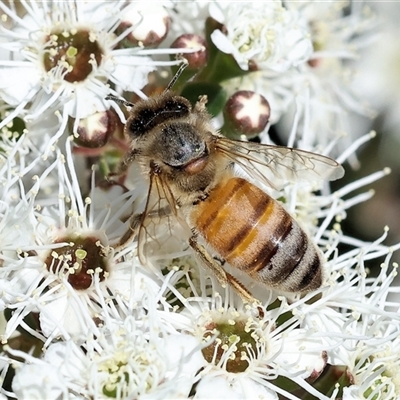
point(83, 318)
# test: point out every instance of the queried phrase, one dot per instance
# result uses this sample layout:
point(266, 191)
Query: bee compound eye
point(176, 106)
point(147, 118)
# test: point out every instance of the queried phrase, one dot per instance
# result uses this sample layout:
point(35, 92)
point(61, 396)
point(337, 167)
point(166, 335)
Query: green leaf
point(333, 375)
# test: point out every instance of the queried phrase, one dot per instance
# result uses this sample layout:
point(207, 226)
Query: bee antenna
point(178, 73)
point(119, 101)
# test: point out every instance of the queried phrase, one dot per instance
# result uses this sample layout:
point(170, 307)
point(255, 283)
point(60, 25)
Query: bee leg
point(124, 164)
point(220, 260)
point(224, 278)
point(134, 224)
point(200, 105)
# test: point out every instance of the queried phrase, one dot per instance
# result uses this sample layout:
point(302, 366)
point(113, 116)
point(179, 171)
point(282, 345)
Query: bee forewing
point(158, 227)
point(274, 163)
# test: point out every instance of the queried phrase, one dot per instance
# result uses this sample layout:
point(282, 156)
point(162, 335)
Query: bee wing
point(158, 225)
point(272, 164)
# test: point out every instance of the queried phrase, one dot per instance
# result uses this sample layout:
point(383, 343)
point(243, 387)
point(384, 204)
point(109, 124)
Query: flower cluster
point(104, 292)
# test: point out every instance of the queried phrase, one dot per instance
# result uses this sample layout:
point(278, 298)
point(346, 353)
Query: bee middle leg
point(224, 278)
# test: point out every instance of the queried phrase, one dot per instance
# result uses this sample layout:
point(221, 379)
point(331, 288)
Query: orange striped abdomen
point(254, 233)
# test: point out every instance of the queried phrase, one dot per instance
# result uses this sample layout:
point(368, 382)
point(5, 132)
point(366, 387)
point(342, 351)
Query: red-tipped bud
point(318, 368)
point(199, 58)
point(246, 113)
point(95, 130)
point(149, 23)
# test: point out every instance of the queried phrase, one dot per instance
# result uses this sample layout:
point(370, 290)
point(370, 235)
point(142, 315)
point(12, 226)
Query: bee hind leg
point(224, 278)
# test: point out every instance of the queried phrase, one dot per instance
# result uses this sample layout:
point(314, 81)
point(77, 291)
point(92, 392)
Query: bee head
point(151, 113)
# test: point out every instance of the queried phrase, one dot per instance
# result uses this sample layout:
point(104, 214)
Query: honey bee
point(192, 182)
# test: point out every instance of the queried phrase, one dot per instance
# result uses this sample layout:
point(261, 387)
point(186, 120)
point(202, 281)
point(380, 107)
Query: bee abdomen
point(294, 265)
point(254, 233)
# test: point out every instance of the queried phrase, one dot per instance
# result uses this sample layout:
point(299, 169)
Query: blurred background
point(378, 81)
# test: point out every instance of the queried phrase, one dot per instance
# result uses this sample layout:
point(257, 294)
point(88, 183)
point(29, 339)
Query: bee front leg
point(224, 278)
point(134, 224)
point(124, 164)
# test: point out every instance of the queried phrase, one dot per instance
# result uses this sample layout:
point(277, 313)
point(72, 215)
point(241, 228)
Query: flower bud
point(246, 113)
point(149, 23)
point(318, 368)
point(95, 130)
point(199, 58)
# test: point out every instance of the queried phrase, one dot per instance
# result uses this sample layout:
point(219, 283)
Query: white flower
point(361, 328)
point(40, 381)
point(56, 258)
point(21, 157)
point(188, 17)
point(245, 347)
point(374, 364)
point(64, 56)
point(324, 98)
point(319, 93)
point(94, 322)
point(224, 387)
point(264, 33)
point(130, 358)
